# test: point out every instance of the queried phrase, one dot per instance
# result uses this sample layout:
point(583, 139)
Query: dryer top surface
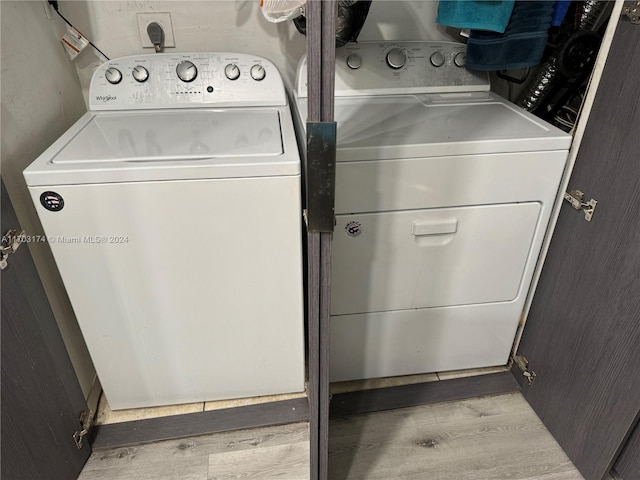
point(426, 125)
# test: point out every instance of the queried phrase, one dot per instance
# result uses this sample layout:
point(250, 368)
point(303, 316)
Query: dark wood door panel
point(582, 333)
point(41, 398)
point(628, 464)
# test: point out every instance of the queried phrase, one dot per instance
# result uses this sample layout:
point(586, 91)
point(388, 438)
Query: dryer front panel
point(450, 181)
point(430, 258)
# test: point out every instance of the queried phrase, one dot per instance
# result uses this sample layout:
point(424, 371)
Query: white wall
point(41, 98)
point(404, 20)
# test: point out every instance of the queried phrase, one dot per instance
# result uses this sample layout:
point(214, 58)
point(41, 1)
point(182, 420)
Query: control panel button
point(258, 72)
point(187, 71)
point(140, 73)
point(459, 59)
point(396, 58)
point(232, 71)
point(354, 61)
point(113, 75)
point(437, 59)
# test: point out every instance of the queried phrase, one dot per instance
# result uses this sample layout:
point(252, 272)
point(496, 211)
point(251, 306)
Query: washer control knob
point(437, 59)
point(354, 61)
point(232, 71)
point(113, 75)
point(187, 71)
point(396, 58)
point(258, 72)
point(459, 59)
point(140, 73)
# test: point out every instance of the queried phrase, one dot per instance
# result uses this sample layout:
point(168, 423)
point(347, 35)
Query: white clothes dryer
point(443, 196)
point(172, 208)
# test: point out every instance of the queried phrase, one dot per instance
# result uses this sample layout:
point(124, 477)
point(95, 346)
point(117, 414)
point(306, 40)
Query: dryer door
point(430, 258)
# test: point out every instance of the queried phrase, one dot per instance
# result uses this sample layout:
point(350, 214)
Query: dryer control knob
point(396, 58)
point(232, 72)
point(258, 72)
point(354, 61)
point(459, 59)
point(187, 71)
point(140, 73)
point(113, 75)
point(437, 59)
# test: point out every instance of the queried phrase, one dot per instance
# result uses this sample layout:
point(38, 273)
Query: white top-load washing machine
point(172, 208)
point(443, 197)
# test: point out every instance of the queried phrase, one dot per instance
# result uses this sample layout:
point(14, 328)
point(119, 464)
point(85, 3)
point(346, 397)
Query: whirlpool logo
point(106, 98)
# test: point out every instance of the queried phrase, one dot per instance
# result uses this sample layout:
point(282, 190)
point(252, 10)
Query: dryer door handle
point(434, 227)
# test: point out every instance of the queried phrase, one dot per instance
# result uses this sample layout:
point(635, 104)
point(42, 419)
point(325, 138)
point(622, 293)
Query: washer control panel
point(186, 80)
point(378, 68)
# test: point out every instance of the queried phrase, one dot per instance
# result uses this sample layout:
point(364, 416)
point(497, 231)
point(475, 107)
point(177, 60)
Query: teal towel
point(491, 15)
point(522, 44)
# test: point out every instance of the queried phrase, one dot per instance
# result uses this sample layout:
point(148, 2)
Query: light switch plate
point(161, 18)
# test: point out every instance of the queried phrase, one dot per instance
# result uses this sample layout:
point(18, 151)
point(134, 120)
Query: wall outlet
point(161, 18)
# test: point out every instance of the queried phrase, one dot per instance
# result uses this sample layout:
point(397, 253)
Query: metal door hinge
point(11, 240)
point(576, 199)
point(631, 10)
point(86, 420)
point(523, 365)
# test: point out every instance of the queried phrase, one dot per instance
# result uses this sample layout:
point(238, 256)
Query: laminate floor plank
point(491, 438)
point(194, 468)
point(285, 462)
point(197, 449)
point(389, 420)
point(480, 407)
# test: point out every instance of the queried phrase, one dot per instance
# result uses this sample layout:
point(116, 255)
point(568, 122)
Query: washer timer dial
point(187, 71)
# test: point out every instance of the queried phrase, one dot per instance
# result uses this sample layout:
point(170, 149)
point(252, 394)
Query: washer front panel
point(185, 291)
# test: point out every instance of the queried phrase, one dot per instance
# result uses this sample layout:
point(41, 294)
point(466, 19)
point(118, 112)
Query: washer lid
point(174, 136)
point(406, 126)
point(134, 146)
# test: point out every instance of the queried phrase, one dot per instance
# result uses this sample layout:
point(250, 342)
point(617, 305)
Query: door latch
point(523, 365)
point(631, 10)
point(86, 420)
point(576, 199)
point(10, 243)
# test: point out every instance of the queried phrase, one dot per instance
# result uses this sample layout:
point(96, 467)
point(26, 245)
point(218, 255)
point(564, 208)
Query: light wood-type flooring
point(490, 438)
